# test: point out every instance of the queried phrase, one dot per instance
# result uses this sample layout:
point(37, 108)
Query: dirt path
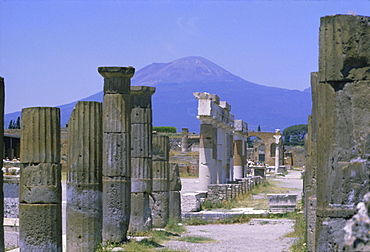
point(257, 235)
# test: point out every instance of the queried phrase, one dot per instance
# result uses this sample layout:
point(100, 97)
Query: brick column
point(40, 215)
point(116, 152)
point(141, 158)
point(84, 183)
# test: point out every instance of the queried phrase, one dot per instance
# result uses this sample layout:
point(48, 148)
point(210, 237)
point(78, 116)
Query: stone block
point(174, 206)
point(160, 148)
point(116, 208)
point(116, 155)
point(190, 202)
point(282, 203)
point(11, 239)
point(40, 227)
point(159, 204)
point(344, 48)
point(40, 184)
point(40, 141)
point(160, 181)
point(141, 219)
point(118, 120)
point(141, 139)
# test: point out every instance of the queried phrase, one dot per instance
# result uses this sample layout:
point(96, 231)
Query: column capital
point(114, 72)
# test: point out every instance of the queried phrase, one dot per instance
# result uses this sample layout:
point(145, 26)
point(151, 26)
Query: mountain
point(175, 105)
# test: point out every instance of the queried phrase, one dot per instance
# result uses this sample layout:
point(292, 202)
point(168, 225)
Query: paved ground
point(258, 235)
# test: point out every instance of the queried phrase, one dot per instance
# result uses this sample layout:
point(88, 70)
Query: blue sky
point(50, 50)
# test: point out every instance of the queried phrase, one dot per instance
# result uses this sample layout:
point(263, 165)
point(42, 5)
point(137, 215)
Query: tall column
point(141, 158)
point(40, 215)
point(84, 182)
point(184, 139)
point(2, 96)
point(342, 125)
point(116, 152)
point(277, 150)
point(160, 193)
point(240, 133)
point(207, 169)
point(174, 197)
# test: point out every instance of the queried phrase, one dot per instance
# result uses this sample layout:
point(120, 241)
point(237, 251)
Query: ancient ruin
point(141, 158)
point(116, 152)
point(160, 187)
point(84, 181)
point(337, 175)
point(174, 188)
point(240, 148)
point(40, 212)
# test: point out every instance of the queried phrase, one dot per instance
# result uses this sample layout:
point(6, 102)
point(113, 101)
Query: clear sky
point(50, 50)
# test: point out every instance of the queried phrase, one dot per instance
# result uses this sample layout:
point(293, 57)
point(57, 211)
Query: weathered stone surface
point(84, 182)
point(141, 219)
point(11, 196)
point(184, 139)
point(174, 206)
point(40, 181)
point(357, 236)
point(40, 227)
point(40, 184)
point(190, 202)
point(141, 180)
point(141, 141)
point(160, 209)
point(160, 176)
point(116, 152)
point(40, 145)
point(344, 48)
point(282, 203)
point(174, 178)
point(116, 208)
point(160, 148)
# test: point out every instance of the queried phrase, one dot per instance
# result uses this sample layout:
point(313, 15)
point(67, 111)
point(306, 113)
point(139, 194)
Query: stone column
point(141, 158)
point(40, 215)
point(2, 97)
point(174, 195)
point(240, 133)
point(116, 152)
point(207, 169)
point(277, 150)
point(342, 125)
point(160, 193)
point(184, 140)
point(84, 182)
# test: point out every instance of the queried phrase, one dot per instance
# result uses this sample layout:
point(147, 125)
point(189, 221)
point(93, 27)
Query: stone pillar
point(2, 97)
point(116, 152)
point(240, 136)
point(184, 140)
point(40, 215)
point(277, 150)
point(160, 189)
point(341, 125)
point(84, 182)
point(141, 158)
point(174, 197)
point(207, 169)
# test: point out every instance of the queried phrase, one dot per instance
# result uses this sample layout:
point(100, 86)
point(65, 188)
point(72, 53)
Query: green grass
point(300, 233)
point(196, 239)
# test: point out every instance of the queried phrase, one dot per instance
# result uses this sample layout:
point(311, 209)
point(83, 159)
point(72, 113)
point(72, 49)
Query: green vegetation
point(294, 135)
point(196, 239)
point(165, 129)
point(15, 124)
point(299, 232)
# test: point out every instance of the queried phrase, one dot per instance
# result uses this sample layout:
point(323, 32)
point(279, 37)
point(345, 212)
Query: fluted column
point(141, 158)
point(116, 152)
point(40, 215)
point(160, 188)
point(84, 184)
point(174, 193)
point(184, 139)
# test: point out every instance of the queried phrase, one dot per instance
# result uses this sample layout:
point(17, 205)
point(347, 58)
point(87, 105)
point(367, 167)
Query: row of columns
point(110, 170)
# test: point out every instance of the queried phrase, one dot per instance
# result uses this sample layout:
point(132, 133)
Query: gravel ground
point(257, 235)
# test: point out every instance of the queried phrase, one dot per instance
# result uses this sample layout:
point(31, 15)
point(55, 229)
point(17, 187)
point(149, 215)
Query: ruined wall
point(340, 132)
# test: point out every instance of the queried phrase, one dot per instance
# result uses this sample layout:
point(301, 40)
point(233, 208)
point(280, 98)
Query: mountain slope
point(175, 105)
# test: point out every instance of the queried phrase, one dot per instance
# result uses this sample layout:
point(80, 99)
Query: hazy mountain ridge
point(175, 105)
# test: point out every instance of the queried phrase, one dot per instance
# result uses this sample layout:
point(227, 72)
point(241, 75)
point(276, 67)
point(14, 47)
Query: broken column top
point(123, 72)
point(225, 105)
point(240, 126)
point(207, 96)
point(143, 90)
point(344, 48)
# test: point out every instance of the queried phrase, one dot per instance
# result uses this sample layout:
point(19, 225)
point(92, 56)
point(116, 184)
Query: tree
point(294, 135)
point(164, 129)
point(15, 124)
